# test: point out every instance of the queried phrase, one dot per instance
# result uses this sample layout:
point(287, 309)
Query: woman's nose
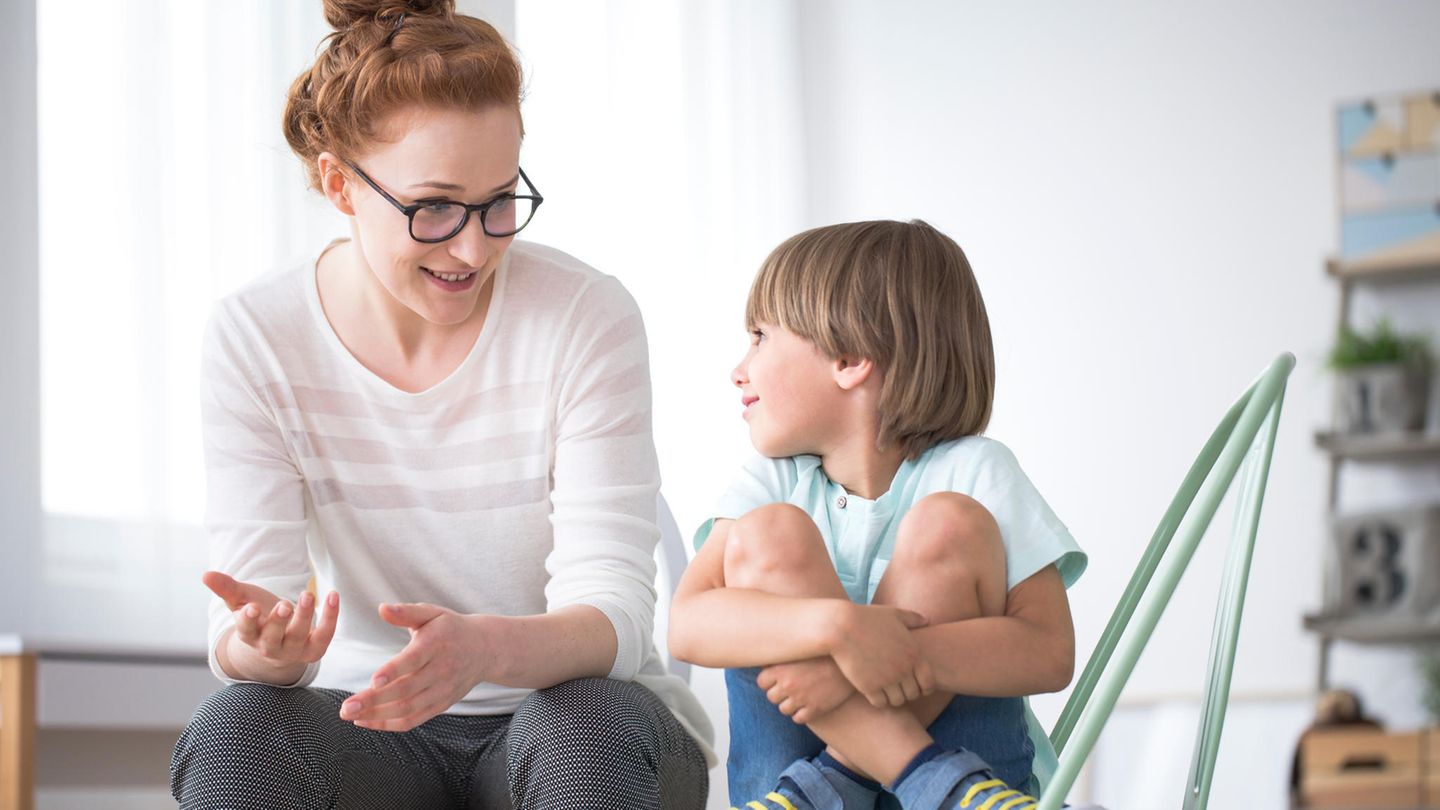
point(472, 245)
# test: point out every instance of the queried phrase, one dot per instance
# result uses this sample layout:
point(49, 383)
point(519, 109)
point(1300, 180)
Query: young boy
point(880, 574)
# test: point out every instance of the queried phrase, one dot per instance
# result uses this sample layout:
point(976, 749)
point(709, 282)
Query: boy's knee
point(772, 538)
point(945, 527)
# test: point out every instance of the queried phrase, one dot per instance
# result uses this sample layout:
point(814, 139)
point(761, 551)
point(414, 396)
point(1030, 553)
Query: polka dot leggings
point(591, 744)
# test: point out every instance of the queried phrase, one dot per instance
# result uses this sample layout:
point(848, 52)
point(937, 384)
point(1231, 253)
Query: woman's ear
point(851, 372)
point(333, 182)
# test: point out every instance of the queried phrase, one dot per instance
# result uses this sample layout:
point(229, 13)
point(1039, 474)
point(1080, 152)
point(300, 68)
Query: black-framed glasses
point(438, 220)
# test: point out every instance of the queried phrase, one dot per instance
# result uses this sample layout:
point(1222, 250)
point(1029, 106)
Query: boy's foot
point(960, 779)
point(816, 785)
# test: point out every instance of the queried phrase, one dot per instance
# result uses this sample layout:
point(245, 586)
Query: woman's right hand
point(880, 657)
point(273, 641)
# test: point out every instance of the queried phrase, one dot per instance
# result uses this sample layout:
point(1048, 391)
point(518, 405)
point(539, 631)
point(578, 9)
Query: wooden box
point(1362, 768)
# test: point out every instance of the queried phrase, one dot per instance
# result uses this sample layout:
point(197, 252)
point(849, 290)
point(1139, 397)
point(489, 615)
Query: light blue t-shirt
point(859, 534)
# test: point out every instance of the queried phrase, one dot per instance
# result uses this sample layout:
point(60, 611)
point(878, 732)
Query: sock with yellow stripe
point(956, 779)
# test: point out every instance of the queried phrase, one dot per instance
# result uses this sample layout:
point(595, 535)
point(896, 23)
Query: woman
point(452, 430)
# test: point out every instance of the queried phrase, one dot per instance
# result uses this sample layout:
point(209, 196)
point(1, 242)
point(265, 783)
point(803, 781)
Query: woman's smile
point(451, 282)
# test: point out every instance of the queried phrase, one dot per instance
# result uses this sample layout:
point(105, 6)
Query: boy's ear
point(851, 372)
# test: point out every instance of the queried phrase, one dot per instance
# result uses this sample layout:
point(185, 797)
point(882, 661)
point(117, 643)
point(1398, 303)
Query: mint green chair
point(1245, 437)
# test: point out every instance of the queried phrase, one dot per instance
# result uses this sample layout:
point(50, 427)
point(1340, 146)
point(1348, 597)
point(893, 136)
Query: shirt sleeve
point(761, 481)
point(605, 473)
point(255, 514)
point(1034, 537)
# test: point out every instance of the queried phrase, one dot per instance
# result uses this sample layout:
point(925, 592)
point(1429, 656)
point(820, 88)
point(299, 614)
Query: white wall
point(1147, 193)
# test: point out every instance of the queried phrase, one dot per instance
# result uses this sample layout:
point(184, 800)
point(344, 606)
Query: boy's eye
point(757, 335)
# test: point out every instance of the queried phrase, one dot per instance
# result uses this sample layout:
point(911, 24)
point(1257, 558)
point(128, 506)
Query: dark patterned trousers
point(591, 744)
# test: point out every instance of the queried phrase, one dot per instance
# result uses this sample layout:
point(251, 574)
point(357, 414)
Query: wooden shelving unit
point(1383, 447)
point(1414, 447)
point(1414, 270)
point(1366, 631)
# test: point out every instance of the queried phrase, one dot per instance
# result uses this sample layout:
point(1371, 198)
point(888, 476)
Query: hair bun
point(342, 14)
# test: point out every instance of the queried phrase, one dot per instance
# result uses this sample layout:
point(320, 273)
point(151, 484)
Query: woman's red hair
point(387, 55)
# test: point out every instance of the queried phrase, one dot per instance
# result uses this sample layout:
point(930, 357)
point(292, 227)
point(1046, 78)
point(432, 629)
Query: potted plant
point(1383, 380)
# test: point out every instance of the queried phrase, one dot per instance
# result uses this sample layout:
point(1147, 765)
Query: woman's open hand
point(880, 657)
point(273, 640)
point(436, 669)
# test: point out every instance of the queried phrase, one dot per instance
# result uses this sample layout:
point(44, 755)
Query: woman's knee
point(601, 717)
point(247, 728)
point(778, 538)
point(609, 743)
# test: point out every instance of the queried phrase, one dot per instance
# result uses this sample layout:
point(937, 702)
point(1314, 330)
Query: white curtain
point(667, 140)
point(165, 183)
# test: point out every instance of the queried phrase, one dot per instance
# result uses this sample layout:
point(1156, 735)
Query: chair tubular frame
point(1245, 436)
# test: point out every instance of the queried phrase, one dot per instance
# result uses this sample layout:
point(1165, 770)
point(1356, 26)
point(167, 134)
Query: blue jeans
point(763, 741)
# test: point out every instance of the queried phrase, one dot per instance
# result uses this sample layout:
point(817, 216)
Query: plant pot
point(1381, 398)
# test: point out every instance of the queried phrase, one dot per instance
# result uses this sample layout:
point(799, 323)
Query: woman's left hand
point(435, 670)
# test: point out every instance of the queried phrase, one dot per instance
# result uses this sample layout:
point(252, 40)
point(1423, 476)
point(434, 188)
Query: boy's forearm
point(737, 627)
point(997, 656)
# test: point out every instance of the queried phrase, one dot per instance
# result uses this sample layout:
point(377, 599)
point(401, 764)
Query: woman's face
point(431, 154)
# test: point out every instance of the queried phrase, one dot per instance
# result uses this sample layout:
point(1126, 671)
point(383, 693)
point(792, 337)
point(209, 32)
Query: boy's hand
point(805, 690)
point(879, 656)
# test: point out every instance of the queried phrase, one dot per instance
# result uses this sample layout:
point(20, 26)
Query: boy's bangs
point(781, 294)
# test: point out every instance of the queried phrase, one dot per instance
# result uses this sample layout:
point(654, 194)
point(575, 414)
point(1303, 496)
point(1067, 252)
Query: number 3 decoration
point(1385, 564)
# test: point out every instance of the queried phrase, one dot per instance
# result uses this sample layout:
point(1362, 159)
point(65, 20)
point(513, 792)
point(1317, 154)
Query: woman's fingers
point(225, 587)
point(272, 630)
point(297, 630)
point(774, 694)
point(410, 660)
point(247, 624)
point(236, 594)
point(325, 630)
point(394, 701)
point(425, 705)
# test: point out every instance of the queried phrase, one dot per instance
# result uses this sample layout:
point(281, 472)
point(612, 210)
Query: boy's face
point(789, 392)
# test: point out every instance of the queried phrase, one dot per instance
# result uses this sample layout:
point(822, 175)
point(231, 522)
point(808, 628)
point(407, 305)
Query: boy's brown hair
point(902, 295)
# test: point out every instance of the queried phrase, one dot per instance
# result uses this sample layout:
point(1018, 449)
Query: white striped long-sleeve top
point(522, 483)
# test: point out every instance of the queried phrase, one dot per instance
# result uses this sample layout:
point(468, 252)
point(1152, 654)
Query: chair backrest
point(1245, 436)
point(670, 557)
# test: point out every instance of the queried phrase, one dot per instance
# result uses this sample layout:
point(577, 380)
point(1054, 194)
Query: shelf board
point(1367, 630)
point(1412, 446)
point(1414, 269)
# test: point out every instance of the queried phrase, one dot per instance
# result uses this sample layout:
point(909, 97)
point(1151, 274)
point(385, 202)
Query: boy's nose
point(738, 376)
